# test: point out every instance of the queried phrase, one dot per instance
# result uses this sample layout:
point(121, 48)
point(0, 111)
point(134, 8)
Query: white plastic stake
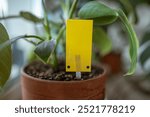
point(78, 75)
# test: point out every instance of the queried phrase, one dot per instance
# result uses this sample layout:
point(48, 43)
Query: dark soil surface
point(43, 71)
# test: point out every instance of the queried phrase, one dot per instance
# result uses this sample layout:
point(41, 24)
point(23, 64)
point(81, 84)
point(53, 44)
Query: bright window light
point(3, 7)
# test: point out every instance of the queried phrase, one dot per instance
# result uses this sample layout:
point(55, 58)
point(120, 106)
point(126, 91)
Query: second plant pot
point(113, 61)
point(38, 89)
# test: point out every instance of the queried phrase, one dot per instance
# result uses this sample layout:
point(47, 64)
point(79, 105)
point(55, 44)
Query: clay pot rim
point(103, 67)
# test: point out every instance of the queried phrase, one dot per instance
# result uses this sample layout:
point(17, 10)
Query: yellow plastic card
point(79, 45)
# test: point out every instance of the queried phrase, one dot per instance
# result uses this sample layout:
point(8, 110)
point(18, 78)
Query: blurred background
point(116, 58)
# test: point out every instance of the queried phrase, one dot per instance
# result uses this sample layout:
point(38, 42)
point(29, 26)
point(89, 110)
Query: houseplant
point(106, 52)
point(45, 49)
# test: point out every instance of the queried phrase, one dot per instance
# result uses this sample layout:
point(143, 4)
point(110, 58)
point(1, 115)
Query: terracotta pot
point(33, 88)
point(113, 61)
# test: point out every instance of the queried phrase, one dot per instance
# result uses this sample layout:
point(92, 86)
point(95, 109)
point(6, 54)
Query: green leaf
point(5, 57)
point(133, 42)
point(101, 41)
point(100, 13)
point(145, 55)
point(29, 16)
point(44, 49)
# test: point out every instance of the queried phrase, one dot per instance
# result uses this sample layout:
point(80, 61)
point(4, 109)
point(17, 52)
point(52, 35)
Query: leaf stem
point(134, 44)
point(73, 7)
point(10, 17)
point(18, 16)
point(30, 41)
point(11, 41)
point(33, 36)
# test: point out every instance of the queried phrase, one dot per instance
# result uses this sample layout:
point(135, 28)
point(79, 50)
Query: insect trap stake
point(78, 46)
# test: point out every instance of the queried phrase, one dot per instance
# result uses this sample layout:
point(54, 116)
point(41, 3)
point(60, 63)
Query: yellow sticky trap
point(79, 45)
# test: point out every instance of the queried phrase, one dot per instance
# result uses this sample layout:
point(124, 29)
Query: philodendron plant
point(103, 15)
point(45, 48)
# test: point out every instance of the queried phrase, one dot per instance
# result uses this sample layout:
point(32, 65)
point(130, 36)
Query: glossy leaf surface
point(101, 41)
point(44, 49)
point(100, 13)
point(5, 57)
point(29, 16)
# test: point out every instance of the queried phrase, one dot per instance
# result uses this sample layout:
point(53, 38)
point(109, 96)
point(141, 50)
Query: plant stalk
point(18, 16)
point(72, 9)
point(134, 44)
point(57, 41)
point(10, 17)
point(13, 40)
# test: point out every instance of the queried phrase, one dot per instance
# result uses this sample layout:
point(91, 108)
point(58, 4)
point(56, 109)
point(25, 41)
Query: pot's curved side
point(33, 88)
